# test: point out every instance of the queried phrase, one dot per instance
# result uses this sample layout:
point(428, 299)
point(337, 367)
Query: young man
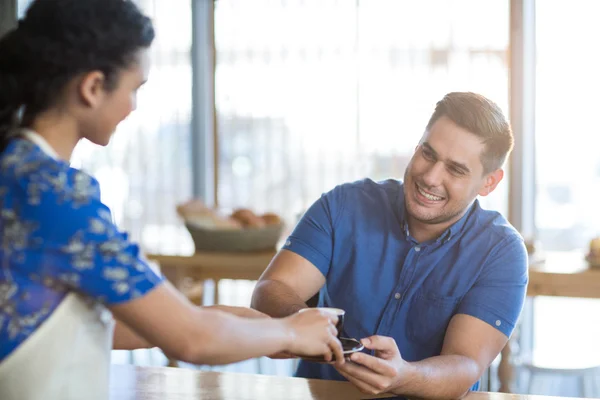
point(434, 283)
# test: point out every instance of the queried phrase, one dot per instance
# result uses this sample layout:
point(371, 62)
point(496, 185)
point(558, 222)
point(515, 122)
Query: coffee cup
point(335, 311)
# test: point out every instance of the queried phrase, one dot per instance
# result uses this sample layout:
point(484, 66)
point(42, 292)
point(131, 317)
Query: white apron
point(67, 357)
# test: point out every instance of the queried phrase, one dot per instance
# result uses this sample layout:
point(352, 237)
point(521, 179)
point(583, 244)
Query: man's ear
point(491, 182)
point(92, 88)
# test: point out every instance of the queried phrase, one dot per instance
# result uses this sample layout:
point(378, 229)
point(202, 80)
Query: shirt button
point(498, 323)
point(289, 242)
point(417, 249)
point(397, 296)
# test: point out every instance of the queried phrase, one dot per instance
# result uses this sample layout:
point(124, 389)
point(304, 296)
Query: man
point(434, 283)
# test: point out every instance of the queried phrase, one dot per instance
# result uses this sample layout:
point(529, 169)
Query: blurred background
point(266, 104)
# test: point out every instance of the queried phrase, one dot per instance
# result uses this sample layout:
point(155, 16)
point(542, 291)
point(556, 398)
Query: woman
point(70, 71)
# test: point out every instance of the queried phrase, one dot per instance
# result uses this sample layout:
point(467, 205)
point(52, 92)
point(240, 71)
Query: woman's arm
point(199, 335)
point(125, 338)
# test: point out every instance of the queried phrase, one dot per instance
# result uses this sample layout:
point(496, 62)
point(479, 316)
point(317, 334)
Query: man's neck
point(424, 232)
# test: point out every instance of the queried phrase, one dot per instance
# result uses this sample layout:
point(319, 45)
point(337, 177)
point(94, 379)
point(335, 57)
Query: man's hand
point(379, 374)
point(313, 333)
point(470, 345)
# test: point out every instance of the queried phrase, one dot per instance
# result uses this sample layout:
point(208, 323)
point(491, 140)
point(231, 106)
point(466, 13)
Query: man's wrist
point(408, 374)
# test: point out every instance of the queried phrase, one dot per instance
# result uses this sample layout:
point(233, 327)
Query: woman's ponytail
point(11, 95)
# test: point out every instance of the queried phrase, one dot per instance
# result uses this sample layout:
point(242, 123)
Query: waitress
point(70, 71)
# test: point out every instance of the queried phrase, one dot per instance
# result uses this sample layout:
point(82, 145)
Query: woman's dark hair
point(58, 40)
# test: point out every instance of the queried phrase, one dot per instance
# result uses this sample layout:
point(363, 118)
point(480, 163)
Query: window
point(310, 94)
point(146, 169)
point(567, 168)
point(22, 6)
point(567, 139)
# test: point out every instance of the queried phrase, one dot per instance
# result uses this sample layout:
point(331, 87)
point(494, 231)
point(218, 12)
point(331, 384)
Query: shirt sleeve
point(499, 293)
point(76, 245)
point(312, 237)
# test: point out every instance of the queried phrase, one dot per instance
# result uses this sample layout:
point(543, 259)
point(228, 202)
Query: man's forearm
point(276, 299)
point(243, 312)
point(441, 377)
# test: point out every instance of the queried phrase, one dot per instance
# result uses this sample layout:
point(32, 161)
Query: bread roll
point(192, 207)
point(196, 213)
point(247, 218)
point(271, 219)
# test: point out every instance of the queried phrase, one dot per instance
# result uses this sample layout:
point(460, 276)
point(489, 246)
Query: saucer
point(349, 346)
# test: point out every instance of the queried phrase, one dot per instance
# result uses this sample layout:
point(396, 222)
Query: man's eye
point(427, 154)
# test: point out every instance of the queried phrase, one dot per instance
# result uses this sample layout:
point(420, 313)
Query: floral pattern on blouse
point(56, 237)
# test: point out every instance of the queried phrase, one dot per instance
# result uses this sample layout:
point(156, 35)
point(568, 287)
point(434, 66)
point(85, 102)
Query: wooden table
point(562, 274)
point(144, 383)
point(213, 266)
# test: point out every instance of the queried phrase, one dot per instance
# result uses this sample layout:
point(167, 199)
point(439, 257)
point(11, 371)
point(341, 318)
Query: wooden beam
point(204, 134)
point(522, 117)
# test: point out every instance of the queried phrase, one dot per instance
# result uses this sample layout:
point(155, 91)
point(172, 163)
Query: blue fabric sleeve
point(312, 237)
point(76, 245)
point(499, 293)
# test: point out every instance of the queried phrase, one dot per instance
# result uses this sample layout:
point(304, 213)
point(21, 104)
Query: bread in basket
point(241, 231)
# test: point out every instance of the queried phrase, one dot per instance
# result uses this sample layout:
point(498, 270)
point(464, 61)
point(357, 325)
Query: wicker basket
point(237, 240)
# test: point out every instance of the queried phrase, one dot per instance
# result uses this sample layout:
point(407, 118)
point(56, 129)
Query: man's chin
point(426, 219)
point(424, 213)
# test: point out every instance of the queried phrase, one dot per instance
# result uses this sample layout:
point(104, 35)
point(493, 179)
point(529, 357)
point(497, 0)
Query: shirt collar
point(458, 226)
point(39, 141)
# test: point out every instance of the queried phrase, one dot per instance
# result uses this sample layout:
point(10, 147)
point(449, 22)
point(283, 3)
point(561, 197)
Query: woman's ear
point(92, 88)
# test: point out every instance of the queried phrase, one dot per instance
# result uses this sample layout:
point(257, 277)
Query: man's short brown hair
point(482, 117)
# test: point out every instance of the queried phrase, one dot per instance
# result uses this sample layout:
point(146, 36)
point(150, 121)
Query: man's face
point(445, 174)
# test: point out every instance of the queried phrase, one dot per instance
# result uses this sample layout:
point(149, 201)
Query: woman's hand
point(313, 333)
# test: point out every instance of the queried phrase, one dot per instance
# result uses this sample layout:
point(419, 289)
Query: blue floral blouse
point(57, 237)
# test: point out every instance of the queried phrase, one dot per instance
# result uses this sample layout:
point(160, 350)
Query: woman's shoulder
point(28, 170)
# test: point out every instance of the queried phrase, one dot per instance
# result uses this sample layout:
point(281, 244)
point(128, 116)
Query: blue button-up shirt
point(391, 285)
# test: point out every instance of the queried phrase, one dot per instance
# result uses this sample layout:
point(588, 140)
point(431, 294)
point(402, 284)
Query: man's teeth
point(430, 196)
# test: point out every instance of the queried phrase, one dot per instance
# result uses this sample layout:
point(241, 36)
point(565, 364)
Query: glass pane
point(567, 170)
point(22, 6)
point(146, 169)
point(567, 152)
point(314, 93)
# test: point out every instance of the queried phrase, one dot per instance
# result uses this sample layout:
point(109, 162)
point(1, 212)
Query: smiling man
point(431, 282)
